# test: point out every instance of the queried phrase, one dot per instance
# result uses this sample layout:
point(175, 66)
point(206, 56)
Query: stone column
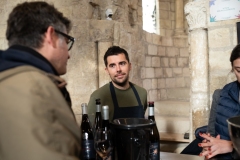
point(179, 21)
point(196, 15)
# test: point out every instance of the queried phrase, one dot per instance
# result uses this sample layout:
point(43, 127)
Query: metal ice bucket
point(234, 131)
point(131, 138)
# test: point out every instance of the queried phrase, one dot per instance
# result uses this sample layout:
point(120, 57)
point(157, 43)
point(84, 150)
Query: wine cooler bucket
point(234, 130)
point(131, 138)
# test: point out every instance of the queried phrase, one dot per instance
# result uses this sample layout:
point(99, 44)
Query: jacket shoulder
point(17, 70)
point(230, 86)
point(231, 90)
point(102, 89)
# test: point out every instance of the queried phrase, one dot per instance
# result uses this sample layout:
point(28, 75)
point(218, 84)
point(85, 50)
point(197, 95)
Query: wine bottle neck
point(105, 125)
point(84, 109)
point(98, 108)
point(105, 113)
point(150, 111)
point(98, 114)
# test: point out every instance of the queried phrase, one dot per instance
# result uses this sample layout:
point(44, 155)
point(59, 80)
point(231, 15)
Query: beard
point(122, 84)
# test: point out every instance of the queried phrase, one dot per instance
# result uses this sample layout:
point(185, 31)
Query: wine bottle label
point(151, 111)
point(154, 151)
point(88, 149)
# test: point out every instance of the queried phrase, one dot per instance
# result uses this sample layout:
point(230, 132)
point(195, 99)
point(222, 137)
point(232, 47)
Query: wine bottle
point(98, 121)
point(98, 116)
point(105, 121)
point(87, 152)
point(103, 137)
point(154, 149)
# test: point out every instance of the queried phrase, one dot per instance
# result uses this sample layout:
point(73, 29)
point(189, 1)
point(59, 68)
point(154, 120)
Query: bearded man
point(125, 99)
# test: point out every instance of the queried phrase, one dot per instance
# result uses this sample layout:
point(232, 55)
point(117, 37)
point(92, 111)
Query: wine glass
point(103, 143)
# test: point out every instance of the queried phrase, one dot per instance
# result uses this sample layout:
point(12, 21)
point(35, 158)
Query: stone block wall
point(210, 44)
point(160, 63)
point(167, 17)
point(222, 37)
point(166, 73)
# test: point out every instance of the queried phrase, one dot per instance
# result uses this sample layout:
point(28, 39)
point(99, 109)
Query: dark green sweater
point(125, 98)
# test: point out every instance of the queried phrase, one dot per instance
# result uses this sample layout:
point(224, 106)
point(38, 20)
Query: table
point(176, 156)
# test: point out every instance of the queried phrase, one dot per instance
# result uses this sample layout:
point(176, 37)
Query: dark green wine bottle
point(87, 151)
point(154, 149)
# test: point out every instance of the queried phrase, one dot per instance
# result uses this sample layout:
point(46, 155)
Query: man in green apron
point(125, 99)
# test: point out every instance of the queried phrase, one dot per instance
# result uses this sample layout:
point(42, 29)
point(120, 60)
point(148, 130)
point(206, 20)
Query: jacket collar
point(17, 55)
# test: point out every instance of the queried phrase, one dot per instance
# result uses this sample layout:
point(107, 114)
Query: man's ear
point(51, 37)
point(130, 66)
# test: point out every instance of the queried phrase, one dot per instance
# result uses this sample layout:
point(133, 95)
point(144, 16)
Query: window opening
point(149, 16)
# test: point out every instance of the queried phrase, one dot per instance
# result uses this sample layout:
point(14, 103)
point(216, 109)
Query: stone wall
point(222, 37)
point(166, 75)
point(210, 47)
point(160, 63)
point(167, 17)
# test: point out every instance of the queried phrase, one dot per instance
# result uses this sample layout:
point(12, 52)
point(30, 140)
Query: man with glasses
point(36, 119)
point(69, 40)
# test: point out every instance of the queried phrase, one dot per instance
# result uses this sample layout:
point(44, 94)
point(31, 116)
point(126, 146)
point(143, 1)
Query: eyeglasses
point(70, 40)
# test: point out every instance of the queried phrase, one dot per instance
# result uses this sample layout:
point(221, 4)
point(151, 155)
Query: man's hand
point(213, 146)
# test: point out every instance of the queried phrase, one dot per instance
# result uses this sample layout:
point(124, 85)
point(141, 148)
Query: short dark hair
point(235, 54)
point(28, 22)
point(115, 50)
